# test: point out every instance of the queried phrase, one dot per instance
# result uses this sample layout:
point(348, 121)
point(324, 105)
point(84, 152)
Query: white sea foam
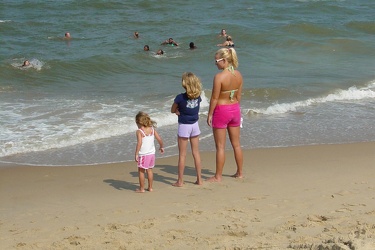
point(351, 94)
point(68, 123)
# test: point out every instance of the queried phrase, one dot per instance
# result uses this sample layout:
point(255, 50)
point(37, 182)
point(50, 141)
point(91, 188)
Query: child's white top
point(148, 145)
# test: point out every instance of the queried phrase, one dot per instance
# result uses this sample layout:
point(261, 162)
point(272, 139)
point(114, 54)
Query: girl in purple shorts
point(145, 149)
point(186, 107)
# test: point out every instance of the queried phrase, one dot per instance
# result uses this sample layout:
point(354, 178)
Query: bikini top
point(231, 95)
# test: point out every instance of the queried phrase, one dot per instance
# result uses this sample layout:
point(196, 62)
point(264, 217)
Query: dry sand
point(311, 197)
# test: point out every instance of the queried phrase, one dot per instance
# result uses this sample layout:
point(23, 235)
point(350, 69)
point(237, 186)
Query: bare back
point(228, 87)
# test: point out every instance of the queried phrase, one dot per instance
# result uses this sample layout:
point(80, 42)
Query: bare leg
point(182, 145)
point(150, 177)
point(194, 143)
point(234, 136)
point(141, 173)
point(220, 138)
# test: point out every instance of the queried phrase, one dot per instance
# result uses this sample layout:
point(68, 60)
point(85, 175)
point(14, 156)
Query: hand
point(136, 158)
point(161, 150)
point(209, 120)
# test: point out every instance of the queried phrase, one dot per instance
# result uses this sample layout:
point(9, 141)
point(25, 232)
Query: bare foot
point(198, 183)
point(177, 184)
point(213, 179)
point(139, 190)
point(237, 175)
point(150, 189)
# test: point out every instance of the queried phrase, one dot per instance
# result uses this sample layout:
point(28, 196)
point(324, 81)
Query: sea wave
point(367, 27)
point(68, 123)
point(351, 94)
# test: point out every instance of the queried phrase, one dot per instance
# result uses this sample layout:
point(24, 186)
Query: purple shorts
point(226, 116)
point(188, 130)
point(146, 161)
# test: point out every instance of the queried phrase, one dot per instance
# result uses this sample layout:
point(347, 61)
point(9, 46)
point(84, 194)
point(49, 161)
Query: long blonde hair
point(144, 120)
point(230, 55)
point(192, 85)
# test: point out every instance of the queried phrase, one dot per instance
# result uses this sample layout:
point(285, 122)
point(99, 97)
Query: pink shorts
point(226, 116)
point(146, 161)
point(188, 130)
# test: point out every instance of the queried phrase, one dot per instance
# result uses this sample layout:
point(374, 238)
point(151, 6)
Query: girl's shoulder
point(148, 130)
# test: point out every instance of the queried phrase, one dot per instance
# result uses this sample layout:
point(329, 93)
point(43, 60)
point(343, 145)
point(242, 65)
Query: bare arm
point(174, 109)
point(223, 44)
point(139, 144)
point(214, 98)
point(160, 141)
point(239, 92)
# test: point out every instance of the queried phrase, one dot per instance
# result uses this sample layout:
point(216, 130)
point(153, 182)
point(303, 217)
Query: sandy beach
point(310, 197)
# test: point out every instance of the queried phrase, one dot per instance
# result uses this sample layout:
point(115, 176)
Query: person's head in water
point(192, 45)
point(160, 52)
point(146, 48)
point(26, 63)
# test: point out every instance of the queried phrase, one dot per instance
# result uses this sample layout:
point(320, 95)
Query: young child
point(186, 106)
point(145, 150)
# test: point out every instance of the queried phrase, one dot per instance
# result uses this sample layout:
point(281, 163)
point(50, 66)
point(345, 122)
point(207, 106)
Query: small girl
point(145, 150)
point(186, 106)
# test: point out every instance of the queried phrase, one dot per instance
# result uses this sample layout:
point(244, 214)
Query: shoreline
point(301, 197)
point(203, 149)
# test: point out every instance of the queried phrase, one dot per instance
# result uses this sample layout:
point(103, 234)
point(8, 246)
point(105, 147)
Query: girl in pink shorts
point(145, 149)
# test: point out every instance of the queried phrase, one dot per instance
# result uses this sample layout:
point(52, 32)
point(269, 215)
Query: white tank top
point(148, 145)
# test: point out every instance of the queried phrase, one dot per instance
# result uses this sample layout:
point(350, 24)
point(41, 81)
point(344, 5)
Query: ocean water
point(308, 68)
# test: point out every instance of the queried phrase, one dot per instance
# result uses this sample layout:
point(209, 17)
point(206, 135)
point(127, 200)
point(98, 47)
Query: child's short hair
point(192, 84)
point(144, 119)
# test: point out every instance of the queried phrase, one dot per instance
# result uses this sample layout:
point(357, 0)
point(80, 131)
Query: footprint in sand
point(75, 240)
point(317, 218)
point(255, 198)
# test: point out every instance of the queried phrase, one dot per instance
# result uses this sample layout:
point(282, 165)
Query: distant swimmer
point(170, 41)
point(26, 63)
point(223, 33)
point(229, 42)
point(136, 35)
point(192, 45)
point(67, 35)
point(160, 52)
point(146, 48)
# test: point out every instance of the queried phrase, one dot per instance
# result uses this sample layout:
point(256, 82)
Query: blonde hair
point(192, 85)
point(144, 119)
point(230, 55)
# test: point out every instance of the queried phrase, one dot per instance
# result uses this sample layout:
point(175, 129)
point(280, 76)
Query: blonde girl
point(186, 106)
point(145, 149)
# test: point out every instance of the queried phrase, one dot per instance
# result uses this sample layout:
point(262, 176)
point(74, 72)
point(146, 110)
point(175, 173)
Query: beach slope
point(308, 197)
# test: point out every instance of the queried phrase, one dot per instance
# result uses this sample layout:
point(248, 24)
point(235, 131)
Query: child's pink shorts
point(146, 161)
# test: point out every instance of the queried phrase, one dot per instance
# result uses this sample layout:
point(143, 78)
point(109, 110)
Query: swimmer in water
point(26, 63)
point(160, 52)
point(192, 46)
point(228, 43)
point(170, 41)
